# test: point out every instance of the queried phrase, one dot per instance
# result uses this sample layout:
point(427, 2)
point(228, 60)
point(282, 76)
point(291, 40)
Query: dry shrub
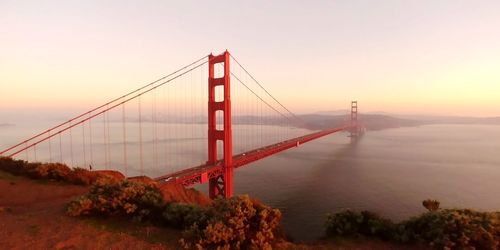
point(52, 171)
point(138, 200)
point(431, 205)
point(441, 229)
point(453, 229)
point(183, 215)
point(57, 172)
point(235, 223)
point(16, 167)
point(352, 224)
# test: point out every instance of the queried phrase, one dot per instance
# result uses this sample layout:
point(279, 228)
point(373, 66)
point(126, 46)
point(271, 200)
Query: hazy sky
point(418, 57)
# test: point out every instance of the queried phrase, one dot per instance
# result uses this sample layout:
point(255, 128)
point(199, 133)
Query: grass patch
point(7, 176)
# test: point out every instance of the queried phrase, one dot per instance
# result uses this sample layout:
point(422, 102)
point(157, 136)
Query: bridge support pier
point(354, 120)
point(221, 185)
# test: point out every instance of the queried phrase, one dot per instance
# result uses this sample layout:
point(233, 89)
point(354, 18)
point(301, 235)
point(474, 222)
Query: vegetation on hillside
point(56, 171)
point(241, 222)
point(438, 228)
point(235, 223)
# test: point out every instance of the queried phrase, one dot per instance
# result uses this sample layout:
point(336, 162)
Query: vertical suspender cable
point(124, 140)
point(91, 142)
point(34, 150)
point(60, 149)
point(27, 156)
point(164, 120)
point(108, 142)
point(83, 139)
point(104, 141)
point(50, 148)
point(71, 146)
point(153, 119)
point(140, 137)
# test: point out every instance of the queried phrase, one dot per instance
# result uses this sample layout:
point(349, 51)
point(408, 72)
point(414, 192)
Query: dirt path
point(32, 217)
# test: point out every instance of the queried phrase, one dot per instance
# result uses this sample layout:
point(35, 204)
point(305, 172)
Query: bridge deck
point(202, 173)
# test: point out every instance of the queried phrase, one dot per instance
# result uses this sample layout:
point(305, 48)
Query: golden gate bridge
point(163, 127)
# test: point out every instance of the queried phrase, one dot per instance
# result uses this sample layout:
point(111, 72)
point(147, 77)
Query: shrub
point(53, 171)
point(453, 228)
point(350, 223)
point(17, 167)
point(442, 229)
point(234, 223)
point(81, 176)
point(183, 216)
point(138, 200)
point(431, 205)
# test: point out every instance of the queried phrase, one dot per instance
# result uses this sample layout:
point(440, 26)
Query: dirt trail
point(32, 217)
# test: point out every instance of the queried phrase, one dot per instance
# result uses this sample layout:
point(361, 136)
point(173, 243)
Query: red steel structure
point(209, 171)
point(220, 184)
point(354, 119)
point(218, 172)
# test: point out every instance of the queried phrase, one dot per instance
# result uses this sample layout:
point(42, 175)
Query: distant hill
point(6, 125)
point(328, 119)
point(464, 120)
point(370, 121)
point(333, 112)
point(434, 119)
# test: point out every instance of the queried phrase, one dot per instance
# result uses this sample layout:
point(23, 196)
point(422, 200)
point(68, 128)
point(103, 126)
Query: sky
point(405, 57)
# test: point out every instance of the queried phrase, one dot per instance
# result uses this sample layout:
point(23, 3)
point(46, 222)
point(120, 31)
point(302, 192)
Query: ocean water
point(389, 171)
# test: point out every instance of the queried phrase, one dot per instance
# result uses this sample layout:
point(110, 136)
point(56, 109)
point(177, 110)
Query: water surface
point(389, 172)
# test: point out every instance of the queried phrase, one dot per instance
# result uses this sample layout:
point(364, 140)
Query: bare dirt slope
point(32, 217)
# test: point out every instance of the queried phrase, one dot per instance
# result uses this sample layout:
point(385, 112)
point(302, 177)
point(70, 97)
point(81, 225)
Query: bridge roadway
point(202, 173)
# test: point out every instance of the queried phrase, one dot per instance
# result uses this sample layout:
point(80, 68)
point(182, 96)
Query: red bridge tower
point(221, 185)
point(354, 119)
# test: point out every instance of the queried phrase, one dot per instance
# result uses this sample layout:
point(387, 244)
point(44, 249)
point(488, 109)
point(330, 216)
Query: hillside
point(37, 220)
point(369, 121)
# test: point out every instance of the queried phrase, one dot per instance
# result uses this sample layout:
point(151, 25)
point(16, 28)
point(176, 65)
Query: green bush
point(16, 167)
point(235, 223)
point(431, 205)
point(350, 223)
point(183, 216)
point(138, 200)
point(442, 229)
point(36, 170)
point(52, 171)
point(453, 228)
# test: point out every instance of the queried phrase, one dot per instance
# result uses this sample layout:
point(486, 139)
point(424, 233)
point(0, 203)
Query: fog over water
point(389, 171)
